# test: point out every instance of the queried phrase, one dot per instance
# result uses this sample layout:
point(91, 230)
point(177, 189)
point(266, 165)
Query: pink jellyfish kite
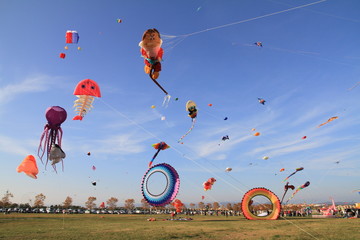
point(50, 140)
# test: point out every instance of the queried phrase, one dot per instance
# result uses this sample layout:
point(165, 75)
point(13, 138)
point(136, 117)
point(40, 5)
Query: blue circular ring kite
point(171, 189)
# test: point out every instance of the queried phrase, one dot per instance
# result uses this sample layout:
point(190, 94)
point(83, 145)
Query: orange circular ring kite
point(247, 200)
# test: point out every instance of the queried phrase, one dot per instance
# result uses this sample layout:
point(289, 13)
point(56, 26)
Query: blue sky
point(309, 61)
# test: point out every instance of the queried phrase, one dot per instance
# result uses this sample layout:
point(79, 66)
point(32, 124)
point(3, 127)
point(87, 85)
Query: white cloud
point(9, 145)
point(37, 83)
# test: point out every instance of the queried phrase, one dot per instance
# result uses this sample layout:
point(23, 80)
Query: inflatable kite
point(265, 158)
point(151, 51)
point(296, 170)
point(298, 189)
point(159, 146)
point(56, 155)
point(177, 205)
point(62, 55)
point(28, 166)
point(93, 183)
point(262, 101)
point(246, 204)
point(228, 169)
point(283, 169)
point(286, 188)
point(72, 37)
point(50, 140)
point(259, 44)
point(85, 90)
point(208, 184)
point(102, 205)
point(162, 198)
point(329, 120)
point(191, 107)
point(256, 134)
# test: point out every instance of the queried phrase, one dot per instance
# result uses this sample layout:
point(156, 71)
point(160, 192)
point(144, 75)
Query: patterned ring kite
point(171, 188)
point(247, 200)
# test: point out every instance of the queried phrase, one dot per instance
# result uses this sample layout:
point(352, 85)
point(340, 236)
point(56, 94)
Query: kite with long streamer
point(191, 107)
point(329, 120)
point(297, 170)
point(298, 189)
point(159, 146)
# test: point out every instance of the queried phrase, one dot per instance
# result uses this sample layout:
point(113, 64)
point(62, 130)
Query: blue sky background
point(309, 61)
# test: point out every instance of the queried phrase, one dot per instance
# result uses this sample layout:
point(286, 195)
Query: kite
point(118, 20)
point(159, 146)
point(296, 170)
point(89, 153)
point(283, 169)
point(228, 169)
point(329, 120)
point(152, 106)
point(257, 134)
point(286, 188)
point(262, 101)
point(178, 205)
point(161, 198)
point(224, 138)
point(358, 191)
point(298, 189)
point(265, 157)
point(208, 184)
point(247, 201)
point(93, 183)
point(210, 105)
point(62, 55)
point(85, 90)
point(151, 51)
point(304, 137)
point(28, 166)
point(56, 155)
point(72, 37)
point(93, 168)
point(50, 140)
point(259, 44)
point(226, 118)
point(102, 205)
point(191, 107)
point(202, 197)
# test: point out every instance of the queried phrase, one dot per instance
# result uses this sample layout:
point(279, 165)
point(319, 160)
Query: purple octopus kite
point(50, 140)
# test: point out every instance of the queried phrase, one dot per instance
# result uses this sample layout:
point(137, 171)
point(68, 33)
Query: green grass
point(93, 226)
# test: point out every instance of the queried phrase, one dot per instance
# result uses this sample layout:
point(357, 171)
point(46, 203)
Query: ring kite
point(247, 200)
point(171, 189)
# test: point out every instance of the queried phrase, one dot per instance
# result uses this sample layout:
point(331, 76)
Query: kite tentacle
point(154, 80)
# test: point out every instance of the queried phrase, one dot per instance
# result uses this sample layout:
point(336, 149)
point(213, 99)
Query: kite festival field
point(95, 226)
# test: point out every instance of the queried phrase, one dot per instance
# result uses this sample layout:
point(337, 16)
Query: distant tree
point(90, 203)
point(5, 201)
point(237, 206)
point(39, 200)
point(192, 205)
point(229, 206)
point(68, 202)
point(216, 205)
point(112, 203)
point(145, 204)
point(129, 204)
point(201, 205)
point(208, 205)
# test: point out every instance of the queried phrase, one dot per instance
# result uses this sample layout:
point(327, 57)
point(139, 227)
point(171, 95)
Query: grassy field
point(93, 226)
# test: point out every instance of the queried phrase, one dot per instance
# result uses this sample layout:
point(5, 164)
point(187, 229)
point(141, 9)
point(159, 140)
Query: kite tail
point(293, 195)
point(154, 80)
point(153, 158)
point(191, 128)
point(166, 100)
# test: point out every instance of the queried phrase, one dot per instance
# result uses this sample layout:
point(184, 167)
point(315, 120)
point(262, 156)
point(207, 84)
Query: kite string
point(254, 18)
